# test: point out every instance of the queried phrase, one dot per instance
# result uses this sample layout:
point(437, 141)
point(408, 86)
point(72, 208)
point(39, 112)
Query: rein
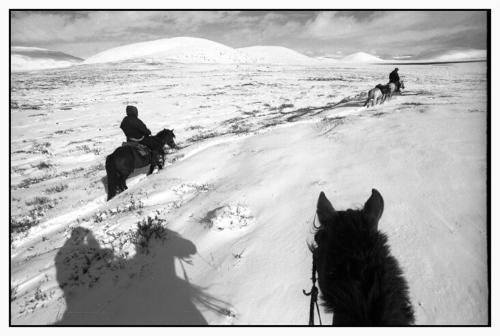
point(313, 293)
point(314, 297)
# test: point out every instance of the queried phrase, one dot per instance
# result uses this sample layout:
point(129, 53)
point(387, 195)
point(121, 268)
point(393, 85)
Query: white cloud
point(328, 24)
point(462, 55)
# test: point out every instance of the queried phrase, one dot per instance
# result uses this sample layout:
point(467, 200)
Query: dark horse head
point(360, 282)
point(166, 137)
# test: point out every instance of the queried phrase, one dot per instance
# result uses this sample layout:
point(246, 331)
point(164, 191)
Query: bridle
point(314, 297)
point(313, 293)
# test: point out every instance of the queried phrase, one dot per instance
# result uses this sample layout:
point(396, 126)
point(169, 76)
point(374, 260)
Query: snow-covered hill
point(177, 49)
point(31, 58)
point(276, 55)
point(198, 50)
point(361, 57)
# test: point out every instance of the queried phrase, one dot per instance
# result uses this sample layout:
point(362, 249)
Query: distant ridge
point(198, 50)
point(32, 58)
point(423, 62)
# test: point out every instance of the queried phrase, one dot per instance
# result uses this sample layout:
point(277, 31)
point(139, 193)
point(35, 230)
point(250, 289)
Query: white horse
point(375, 96)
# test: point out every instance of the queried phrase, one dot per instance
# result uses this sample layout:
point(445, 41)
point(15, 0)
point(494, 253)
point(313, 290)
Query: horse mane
point(165, 132)
point(360, 281)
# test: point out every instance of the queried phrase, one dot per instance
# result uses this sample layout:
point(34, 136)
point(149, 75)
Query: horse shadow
point(101, 288)
point(357, 101)
point(352, 103)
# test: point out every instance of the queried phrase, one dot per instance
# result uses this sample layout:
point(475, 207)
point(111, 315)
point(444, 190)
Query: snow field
point(238, 202)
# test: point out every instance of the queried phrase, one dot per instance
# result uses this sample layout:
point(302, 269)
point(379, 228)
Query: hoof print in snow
point(233, 216)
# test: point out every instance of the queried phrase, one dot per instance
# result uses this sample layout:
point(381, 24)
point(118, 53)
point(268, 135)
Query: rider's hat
point(132, 110)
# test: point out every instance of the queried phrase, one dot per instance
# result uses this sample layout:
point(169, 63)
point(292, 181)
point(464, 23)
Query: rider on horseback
point(137, 132)
point(394, 78)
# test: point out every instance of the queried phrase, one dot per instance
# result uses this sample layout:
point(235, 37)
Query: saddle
point(142, 150)
point(384, 88)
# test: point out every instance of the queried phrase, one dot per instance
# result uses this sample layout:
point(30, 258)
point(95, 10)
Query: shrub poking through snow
point(43, 165)
point(150, 228)
point(23, 223)
point(56, 189)
point(41, 201)
point(86, 149)
point(131, 205)
point(233, 216)
point(40, 148)
point(32, 180)
point(40, 206)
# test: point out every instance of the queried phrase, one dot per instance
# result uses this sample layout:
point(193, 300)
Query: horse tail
point(112, 176)
point(369, 97)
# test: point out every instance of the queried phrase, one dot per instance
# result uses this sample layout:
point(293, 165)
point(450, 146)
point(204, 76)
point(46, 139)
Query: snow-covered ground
point(237, 201)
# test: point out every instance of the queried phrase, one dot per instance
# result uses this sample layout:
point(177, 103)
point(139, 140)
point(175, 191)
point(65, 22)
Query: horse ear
point(324, 209)
point(373, 208)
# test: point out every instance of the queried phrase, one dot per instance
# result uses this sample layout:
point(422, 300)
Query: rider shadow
point(101, 288)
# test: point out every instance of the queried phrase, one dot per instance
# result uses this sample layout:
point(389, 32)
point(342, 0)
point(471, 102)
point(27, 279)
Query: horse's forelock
point(163, 132)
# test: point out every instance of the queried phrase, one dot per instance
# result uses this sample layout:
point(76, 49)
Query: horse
point(393, 88)
point(374, 96)
point(360, 281)
point(122, 162)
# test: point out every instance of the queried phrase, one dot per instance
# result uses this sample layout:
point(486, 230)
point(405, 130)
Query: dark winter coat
point(394, 77)
point(133, 127)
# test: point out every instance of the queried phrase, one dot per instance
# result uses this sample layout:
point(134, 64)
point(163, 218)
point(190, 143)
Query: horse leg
point(126, 168)
point(123, 183)
point(155, 162)
point(151, 168)
point(112, 176)
point(161, 161)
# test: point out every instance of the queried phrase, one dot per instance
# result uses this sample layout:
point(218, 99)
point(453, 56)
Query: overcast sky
point(388, 34)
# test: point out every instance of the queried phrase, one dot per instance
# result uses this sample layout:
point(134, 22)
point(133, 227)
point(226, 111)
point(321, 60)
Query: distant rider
point(394, 78)
point(136, 131)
